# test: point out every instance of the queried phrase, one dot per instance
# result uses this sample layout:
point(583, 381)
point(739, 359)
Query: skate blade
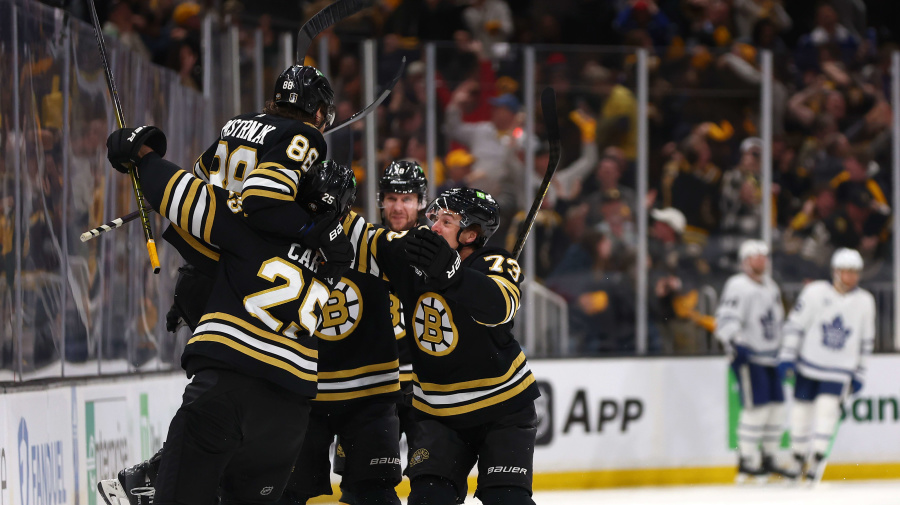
point(112, 492)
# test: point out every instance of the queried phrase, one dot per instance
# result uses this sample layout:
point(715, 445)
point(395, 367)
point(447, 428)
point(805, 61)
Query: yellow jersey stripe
point(274, 174)
point(210, 214)
point(472, 384)
point(261, 333)
point(253, 354)
point(168, 192)
point(465, 409)
point(343, 374)
point(184, 217)
point(196, 244)
point(350, 395)
point(264, 193)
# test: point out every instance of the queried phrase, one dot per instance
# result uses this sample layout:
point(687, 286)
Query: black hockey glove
point(326, 235)
point(123, 145)
point(192, 290)
point(430, 253)
point(338, 256)
point(322, 230)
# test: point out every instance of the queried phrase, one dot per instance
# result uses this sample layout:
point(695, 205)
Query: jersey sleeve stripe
point(177, 196)
point(355, 226)
point(247, 351)
point(374, 269)
point(511, 288)
point(188, 202)
point(199, 212)
point(167, 194)
point(211, 214)
point(261, 333)
point(379, 367)
point(196, 244)
point(473, 384)
point(274, 195)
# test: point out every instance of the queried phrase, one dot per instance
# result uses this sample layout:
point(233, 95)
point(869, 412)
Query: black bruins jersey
point(266, 301)
point(357, 350)
point(261, 157)
point(468, 368)
point(398, 320)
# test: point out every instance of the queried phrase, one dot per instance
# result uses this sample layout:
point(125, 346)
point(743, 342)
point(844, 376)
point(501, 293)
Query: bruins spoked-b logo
point(342, 312)
point(419, 456)
point(433, 325)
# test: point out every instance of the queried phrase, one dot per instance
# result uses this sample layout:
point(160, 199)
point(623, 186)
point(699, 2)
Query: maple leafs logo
point(768, 325)
point(834, 335)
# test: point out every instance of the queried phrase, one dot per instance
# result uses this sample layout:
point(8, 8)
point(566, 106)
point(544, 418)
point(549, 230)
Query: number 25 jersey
point(266, 301)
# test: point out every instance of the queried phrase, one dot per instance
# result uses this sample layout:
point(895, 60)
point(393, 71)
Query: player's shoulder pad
point(488, 251)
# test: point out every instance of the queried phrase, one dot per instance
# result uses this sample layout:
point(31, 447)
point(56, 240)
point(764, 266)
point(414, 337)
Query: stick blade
point(329, 16)
point(369, 108)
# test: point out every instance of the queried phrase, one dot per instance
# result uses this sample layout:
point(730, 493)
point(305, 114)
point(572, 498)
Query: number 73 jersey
point(467, 366)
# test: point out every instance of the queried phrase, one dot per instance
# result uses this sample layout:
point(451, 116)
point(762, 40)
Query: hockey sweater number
point(300, 152)
point(237, 164)
point(514, 269)
point(316, 296)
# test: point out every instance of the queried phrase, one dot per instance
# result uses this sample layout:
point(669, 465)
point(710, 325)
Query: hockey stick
point(551, 123)
point(120, 120)
point(369, 108)
point(112, 225)
point(322, 20)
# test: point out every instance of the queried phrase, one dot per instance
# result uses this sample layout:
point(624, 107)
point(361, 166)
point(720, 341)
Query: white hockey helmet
point(846, 259)
point(751, 248)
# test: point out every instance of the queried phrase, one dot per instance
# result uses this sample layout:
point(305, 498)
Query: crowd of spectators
point(831, 131)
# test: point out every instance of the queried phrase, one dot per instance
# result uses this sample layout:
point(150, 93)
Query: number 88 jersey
point(261, 157)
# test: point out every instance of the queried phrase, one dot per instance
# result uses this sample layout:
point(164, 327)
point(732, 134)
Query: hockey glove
point(338, 256)
point(740, 355)
point(783, 368)
point(431, 254)
point(124, 144)
point(855, 385)
point(322, 230)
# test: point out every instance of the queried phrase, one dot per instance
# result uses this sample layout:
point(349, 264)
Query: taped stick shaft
point(112, 225)
point(120, 120)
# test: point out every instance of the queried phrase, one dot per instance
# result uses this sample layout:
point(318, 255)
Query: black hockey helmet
point(305, 88)
point(403, 177)
point(327, 187)
point(473, 206)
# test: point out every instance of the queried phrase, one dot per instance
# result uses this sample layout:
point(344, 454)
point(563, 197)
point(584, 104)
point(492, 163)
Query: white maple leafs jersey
point(830, 334)
point(750, 314)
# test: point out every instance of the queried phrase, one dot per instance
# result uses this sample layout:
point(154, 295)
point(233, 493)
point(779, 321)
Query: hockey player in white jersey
point(827, 338)
point(748, 324)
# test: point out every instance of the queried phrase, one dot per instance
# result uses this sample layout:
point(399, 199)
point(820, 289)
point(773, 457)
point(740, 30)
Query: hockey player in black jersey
point(253, 355)
point(401, 196)
point(262, 157)
point(267, 154)
point(473, 391)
